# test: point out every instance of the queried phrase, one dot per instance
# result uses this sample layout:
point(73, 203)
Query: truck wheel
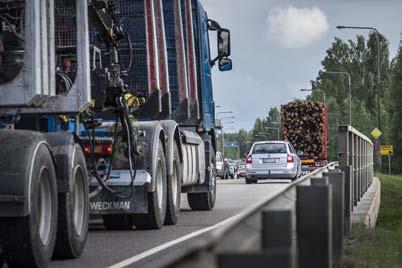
point(29, 241)
point(118, 222)
point(249, 181)
point(155, 217)
point(174, 190)
point(205, 201)
point(73, 218)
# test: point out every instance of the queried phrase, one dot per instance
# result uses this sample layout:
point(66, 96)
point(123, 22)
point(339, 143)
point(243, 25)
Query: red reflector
point(87, 149)
point(249, 159)
point(291, 159)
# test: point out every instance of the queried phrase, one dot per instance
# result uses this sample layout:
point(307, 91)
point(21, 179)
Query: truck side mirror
point(224, 49)
point(300, 153)
point(225, 65)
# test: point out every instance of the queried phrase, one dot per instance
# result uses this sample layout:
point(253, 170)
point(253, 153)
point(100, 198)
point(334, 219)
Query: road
point(154, 248)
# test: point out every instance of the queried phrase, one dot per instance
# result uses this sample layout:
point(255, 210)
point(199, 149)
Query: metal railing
point(357, 162)
point(303, 225)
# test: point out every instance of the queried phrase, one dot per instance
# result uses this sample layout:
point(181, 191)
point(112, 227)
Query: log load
point(304, 125)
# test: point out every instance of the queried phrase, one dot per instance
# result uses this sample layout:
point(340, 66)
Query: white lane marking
point(169, 244)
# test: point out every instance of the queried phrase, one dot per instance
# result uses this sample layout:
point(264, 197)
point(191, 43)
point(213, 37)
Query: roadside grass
point(380, 247)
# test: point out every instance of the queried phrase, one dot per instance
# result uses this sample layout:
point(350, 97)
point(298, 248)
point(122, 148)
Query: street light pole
point(222, 135)
point(350, 91)
point(228, 112)
point(318, 90)
point(340, 27)
point(274, 128)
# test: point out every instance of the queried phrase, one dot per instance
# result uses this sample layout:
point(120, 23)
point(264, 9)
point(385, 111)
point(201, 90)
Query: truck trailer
point(106, 109)
point(305, 125)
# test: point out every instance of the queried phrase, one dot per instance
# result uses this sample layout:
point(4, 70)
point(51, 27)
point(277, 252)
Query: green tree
point(396, 111)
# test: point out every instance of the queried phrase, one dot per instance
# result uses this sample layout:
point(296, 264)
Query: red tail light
point(249, 159)
point(87, 149)
point(100, 149)
point(291, 159)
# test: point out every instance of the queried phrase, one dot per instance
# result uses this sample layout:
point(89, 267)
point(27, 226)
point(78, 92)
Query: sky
point(278, 46)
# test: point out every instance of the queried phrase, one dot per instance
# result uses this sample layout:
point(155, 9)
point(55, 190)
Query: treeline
point(359, 59)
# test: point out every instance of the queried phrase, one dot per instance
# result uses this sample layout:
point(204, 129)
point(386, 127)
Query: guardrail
point(357, 162)
point(301, 226)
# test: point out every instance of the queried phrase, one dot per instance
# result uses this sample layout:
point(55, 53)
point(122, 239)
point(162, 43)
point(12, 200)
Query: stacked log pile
point(303, 126)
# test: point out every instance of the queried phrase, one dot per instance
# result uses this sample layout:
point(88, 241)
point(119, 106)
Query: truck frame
point(107, 109)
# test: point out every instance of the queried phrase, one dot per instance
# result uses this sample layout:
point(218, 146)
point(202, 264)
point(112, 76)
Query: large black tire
point(174, 190)
point(249, 181)
point(205, 201)
point(29, 241)
point(118, 222)
point(155, 217)
point(73, 213)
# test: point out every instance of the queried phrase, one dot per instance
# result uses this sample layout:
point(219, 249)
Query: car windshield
point(270, 148)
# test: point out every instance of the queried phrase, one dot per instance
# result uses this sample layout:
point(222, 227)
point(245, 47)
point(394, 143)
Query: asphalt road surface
point(155, 248)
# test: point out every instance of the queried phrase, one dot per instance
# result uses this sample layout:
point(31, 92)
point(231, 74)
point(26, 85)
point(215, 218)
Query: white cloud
point(296, 27)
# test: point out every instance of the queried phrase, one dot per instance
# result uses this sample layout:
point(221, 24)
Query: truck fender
point(62, 145)
point(151, 138)
point(171, 129)
point(17, 155)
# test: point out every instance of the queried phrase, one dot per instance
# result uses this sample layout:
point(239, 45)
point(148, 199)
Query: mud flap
point(106, 203)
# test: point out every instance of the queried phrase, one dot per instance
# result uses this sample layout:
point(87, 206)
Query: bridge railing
point(357, 162)
point(302, 225)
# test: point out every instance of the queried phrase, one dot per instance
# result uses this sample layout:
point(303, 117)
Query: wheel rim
point(79, 200)
point(45, 205)
point(159, 183)
point(174, 183)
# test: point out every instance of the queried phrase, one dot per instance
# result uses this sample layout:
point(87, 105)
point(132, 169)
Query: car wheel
point(248, 181)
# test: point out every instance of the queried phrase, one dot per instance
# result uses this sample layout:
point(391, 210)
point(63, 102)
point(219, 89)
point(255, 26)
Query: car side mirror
point(300, 153)
point(246, 154)
point(225, 65)
point(224, 49)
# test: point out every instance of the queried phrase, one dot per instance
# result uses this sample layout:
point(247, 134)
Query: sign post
point(376, 133)
point(388, 150)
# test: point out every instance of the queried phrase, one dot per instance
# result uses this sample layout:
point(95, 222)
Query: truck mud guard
point(17, 155)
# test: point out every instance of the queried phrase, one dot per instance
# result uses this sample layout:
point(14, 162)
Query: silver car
point(272, 160)
point(219, 165)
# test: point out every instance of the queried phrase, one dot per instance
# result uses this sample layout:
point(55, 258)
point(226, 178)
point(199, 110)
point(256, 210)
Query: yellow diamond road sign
point(376, 133)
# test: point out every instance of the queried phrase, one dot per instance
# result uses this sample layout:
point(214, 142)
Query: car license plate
point(271, 160)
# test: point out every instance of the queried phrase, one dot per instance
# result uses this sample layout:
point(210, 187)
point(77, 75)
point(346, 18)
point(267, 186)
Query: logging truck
point(106, 109)
point(305, 125)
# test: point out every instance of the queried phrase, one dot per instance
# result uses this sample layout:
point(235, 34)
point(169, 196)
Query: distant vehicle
point(232, 169)
point(272, 160)
point(241, 171)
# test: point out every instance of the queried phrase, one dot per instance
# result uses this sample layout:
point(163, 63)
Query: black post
point(314, 226)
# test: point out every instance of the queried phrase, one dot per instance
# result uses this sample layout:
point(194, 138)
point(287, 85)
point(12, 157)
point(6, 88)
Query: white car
point(272, 160)
point(219, 165)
